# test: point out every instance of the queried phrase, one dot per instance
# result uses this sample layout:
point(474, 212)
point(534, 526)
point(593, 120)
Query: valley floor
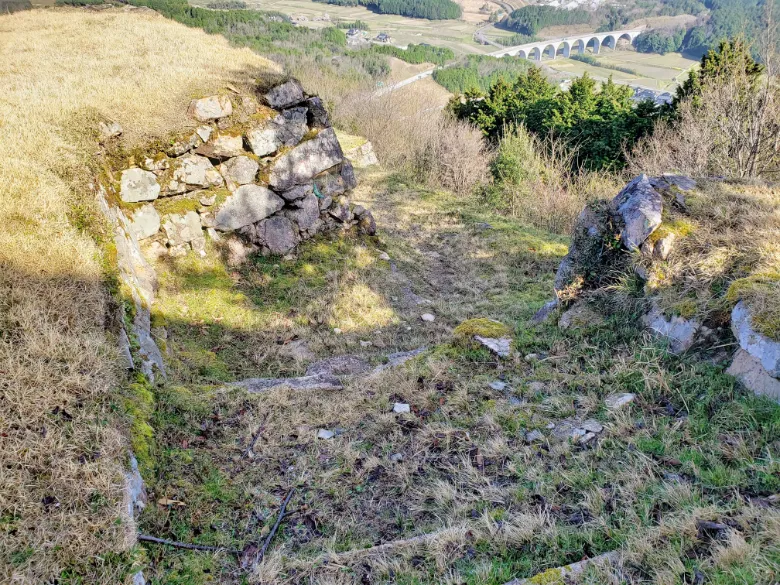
point(486, 479)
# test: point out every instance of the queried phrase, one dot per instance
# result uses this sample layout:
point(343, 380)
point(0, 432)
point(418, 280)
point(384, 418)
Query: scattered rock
point(428, 317)
point(400, 408)
point(316, 382)
point(586, 438)
point(592, 426)
point(544, 313)
point(285, 95)
point(138, 185)
point(498, 385)
point(663, 247)
point(362, 156)
point(247, 205)
point(210, 108)
point(109, 130)
point(325, 434)
point(580, 316)
point(237, 171)
point(749, 370)
point(344, 365)
point(537, 387)
point(145, 222)
point(640, 206)
point(395, 360)
point(501, 346)
point(531, 357)
point(297, 350)
point(306, 160)
point(615, 401)
point(384, 256)
point(396, 457)
point(680, 332)
point(534, 436)
point(765, 350)
point(365, 343)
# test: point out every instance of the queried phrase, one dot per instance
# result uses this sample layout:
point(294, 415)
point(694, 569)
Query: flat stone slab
point(398, 359)
point(615, 401)
point(138, 185)
point(501, 346)
point(305, 161)
point(759, 346)
point(343, 365)
point(315, 382)
point(248, 204)
point(748, 370)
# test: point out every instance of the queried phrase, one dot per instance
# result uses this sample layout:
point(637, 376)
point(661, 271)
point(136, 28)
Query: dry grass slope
point(62, 457)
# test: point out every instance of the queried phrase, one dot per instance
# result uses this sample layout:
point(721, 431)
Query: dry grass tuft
point(62, 71)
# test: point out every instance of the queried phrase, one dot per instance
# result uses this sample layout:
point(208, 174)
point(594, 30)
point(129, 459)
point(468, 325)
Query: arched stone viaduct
point(578, 43)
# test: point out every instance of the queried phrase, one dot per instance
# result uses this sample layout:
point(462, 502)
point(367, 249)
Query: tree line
point(430, 9)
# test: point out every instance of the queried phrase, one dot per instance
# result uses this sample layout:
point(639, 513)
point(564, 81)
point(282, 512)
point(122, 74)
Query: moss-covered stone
point(761, 292)
point(482, 327)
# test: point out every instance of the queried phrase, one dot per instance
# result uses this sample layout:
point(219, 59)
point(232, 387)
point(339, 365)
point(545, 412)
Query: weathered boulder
point(247, 205)
point(765, 350)
point(306, 160)
point(750, 371)
point(306, 212)
point(188, 173)
point(210, 108)
point(238, 171)
point(138, 185)
point(366, 222)
point(222, 146)
point(680, 332)
point(285, 95)
point(317, 115)
point(277, 234)
point(145, 222)
point(639, 205)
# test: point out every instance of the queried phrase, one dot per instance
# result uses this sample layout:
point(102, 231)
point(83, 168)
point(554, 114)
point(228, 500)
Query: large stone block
point(306, 160)
point(277, 234)
point(762, 348)
point(639, 205)
point(210, 108)
point(285, 95)
point(138, 185)
point(188, 173)
point(249, 204)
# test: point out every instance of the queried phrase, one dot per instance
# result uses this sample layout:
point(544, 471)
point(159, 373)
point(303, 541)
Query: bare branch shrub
point(734, 133)
point(409, 135)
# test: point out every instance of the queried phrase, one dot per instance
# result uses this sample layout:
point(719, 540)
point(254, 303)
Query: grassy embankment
point(62, 449)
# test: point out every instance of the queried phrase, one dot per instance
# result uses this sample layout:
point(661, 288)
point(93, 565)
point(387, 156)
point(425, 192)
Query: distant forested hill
point(430, 9)
point(529, 20)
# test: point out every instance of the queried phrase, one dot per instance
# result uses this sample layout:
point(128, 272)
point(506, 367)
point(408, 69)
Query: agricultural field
point(453, 34)
point(659, 72)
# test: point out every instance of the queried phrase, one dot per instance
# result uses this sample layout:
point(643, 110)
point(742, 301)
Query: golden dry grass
point(61, 72)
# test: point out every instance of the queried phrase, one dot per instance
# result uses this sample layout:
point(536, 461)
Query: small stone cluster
point(269, 169)
point(602, 234)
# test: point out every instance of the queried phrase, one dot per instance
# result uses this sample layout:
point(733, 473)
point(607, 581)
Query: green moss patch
point(761, 292)
point(482, 327)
